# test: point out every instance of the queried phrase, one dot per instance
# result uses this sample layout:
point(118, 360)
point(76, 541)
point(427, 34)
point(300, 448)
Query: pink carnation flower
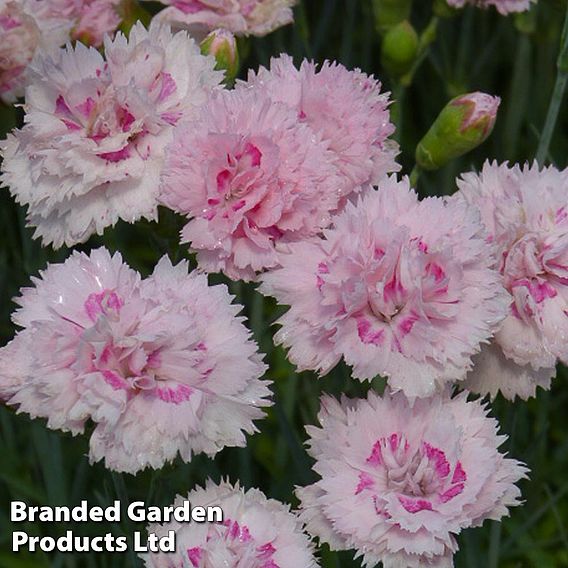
point(399, 481)
point(398, 287)
point(162, 366)
point(504, 7)
point(346, 108)
point(26, 26)
point(91, 19)
point(241, 17)
point(256, 532)
point(249, 177)
point(92, 149)
point(526, 215)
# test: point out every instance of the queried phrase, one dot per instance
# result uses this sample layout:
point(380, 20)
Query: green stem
point(557, 96)
point(427, 38)
point(494, 545)
point(414, 176)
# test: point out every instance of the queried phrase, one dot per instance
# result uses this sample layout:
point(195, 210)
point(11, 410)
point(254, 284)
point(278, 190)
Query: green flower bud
point(464, 123)
point(399, 49)
point(389, 13)
point(223, 46)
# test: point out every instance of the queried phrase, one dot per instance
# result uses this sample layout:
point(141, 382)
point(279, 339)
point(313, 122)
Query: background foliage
point(476, 50)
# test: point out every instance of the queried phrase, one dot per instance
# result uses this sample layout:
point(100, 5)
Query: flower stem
point(427, 38)
point(557, 96)
point(494, 545)
point(414, 176)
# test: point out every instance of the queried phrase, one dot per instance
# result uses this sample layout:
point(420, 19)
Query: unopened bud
point(389, 13)
point(223, 46)
point(399, 49)
point(464, 123)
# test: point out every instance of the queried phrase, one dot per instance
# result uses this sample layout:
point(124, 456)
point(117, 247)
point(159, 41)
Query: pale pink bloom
point(504, 7)
point(256, 532)
point(398, 287)
point(526, 215)
point(241, 17)
point(91, 19)
point(346, 108)
point(399, 481)
point(92, 149)
point(26, 26)
point(250, 177)
point(162, 366)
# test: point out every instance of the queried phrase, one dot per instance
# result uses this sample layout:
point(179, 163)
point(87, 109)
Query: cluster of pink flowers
point(92, 149)
point(285, 180)
point(162, 366)
point(256, 532)
point(503, 6)
point(399, 481)
point(241, 17)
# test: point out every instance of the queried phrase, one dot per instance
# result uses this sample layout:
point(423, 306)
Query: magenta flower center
point(534, 270)
point(132, 362)
point(422, 478)
point(387, 295)
point(231, 544)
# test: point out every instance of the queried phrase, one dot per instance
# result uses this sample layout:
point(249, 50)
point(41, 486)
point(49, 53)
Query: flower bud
point(223, 46)
point(399, 49)
point(389, 13)
point(464, 123)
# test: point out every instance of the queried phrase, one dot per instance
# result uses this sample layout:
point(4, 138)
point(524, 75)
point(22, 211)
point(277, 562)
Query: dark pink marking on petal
point(376, 457)
point(117, 156)
point(253, 154)
point(114, 380)
point(415, 505)
point(435, 270)
point(223, 181)
point(368, 335)
point(451, 492)
point(407, 324)
point(459, 474)
point(176, 395)
point(365, 481)
point(61, 107)
point(171, 117)
point(168, 86)
point(86, 107)
point(195, 554)
point(239, 205)
point(436, 455)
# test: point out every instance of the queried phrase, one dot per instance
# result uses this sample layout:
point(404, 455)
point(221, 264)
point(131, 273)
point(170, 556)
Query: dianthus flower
point(249, 177)
point(504, 7)
point(526, 215)
point(90, 19)
point(161, 365)
point(26, 26)
point(241, 17)
point(398, 287)
point(399, 481)
point(256, 532)
point(346, 108)
point(92, 149)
